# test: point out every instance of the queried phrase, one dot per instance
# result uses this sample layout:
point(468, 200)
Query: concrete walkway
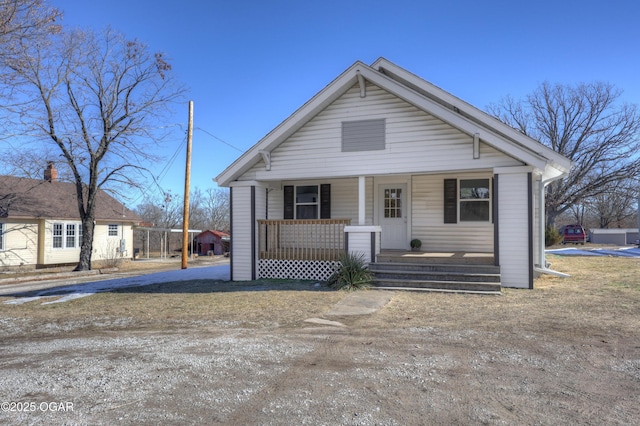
point(361, 303)
point(357, 303)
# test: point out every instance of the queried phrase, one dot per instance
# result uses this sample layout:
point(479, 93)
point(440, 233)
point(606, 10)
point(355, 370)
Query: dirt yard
point(208, 352)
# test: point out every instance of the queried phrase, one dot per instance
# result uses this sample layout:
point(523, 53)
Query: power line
point(220, 140)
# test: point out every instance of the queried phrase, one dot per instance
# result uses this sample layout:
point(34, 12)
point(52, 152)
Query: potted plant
point(415, 244)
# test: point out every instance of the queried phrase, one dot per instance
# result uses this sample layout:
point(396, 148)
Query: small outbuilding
point(617, 236)
point(212, 243)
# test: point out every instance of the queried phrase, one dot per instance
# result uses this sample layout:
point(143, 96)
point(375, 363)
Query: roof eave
point(291, 124)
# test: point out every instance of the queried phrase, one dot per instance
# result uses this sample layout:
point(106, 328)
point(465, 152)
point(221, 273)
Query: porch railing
point(309, 239)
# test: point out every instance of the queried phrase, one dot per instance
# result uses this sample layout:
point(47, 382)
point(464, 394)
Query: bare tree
point(101, 100)
point(25, 20)
point(615, 207)
point(218, 209)
point(587, 124)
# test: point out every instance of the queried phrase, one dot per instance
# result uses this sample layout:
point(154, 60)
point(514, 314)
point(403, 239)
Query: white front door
point(392, 211)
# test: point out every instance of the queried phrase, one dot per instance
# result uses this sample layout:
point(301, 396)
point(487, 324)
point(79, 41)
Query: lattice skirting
point(297, 269)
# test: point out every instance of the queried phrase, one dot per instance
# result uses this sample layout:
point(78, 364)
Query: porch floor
point(456, 257)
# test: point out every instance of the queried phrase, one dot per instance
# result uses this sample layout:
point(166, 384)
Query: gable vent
point(363, 135)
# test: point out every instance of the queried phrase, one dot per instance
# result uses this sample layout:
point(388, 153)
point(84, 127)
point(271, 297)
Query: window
point(392, 202)
point(467, 200)
point(57, 235)
point(113, 230)
point(71, 236)
point(66, 235)
point(475, 199)
point(1, 236)
point(307, 201)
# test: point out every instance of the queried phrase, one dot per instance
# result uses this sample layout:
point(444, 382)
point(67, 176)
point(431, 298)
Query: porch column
point(247, 206)
point(515, 220)
point(363, 241)
point(361, 200)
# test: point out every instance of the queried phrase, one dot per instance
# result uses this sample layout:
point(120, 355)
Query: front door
point(392, 211)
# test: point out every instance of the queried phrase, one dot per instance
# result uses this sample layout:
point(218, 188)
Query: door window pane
point(392, 202)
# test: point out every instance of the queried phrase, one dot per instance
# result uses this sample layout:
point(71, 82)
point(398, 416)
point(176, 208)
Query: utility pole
point(187, 182)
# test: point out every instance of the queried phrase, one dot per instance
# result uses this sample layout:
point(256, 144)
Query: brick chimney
point(50, 173)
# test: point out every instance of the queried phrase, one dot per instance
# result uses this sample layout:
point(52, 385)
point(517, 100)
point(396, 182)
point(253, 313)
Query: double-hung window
point(113, 230)
point(467, 200)
point(475, 200)
point(70, 236)
point(307, 201)
point(57, 235)
point(66, 235)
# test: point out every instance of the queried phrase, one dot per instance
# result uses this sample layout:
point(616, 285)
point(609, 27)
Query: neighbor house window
point(113, 230)
point(67, 235)
point(71, 236)
point(475, 200)
point(57, 235)
point(307, 201)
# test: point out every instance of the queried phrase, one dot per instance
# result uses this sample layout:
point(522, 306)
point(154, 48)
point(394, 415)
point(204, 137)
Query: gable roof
point(219, 234)
point(422, 95)
point(40, 199)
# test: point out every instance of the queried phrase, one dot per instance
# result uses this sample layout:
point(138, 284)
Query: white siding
point(344, 198)
point(241, 233)
point(20, 243)
point(104, 246)
point(54, 256)
point(416, 142)
point(513, 235)
point(108, 247)
point(427, 206)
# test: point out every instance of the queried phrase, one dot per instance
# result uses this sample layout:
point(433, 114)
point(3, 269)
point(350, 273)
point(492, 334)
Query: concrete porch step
point(432, 268)
point(444, 286)
point(471, 278)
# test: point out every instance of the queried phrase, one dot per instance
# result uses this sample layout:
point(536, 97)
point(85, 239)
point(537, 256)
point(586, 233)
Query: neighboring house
point(40, 224)
point(377, 158)
point(212, 243)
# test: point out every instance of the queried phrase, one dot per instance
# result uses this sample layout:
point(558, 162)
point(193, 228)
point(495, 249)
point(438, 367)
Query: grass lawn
point(601, 294)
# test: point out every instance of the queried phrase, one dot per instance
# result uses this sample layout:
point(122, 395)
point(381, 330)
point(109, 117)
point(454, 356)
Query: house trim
point(530, 225)
point(419, 93)
point(231, 240)
point(254, 259)
point(496, 222)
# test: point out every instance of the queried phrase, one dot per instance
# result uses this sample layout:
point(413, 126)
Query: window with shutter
point(450, 201)
point(307, 202)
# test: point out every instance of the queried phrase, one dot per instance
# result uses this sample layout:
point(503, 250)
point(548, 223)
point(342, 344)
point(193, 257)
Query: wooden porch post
point(361, 200)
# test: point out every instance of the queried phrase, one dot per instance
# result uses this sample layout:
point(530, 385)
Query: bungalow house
point(212, 243)
point(40, 224)
point(380, 157)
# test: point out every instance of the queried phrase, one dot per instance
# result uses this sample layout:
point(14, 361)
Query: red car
point(573, 234)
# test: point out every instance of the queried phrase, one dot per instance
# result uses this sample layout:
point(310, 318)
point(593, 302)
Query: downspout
point(542, 267)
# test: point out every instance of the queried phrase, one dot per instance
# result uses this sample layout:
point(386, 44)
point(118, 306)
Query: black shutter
point(288, 202)
point(325, 201)
point(450, 201)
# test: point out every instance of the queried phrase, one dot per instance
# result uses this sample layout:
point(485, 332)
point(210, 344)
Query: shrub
point(415, 243)
point(352, 274)
point(552, 236)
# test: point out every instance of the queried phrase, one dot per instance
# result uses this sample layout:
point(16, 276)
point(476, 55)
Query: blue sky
point(250, 64)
